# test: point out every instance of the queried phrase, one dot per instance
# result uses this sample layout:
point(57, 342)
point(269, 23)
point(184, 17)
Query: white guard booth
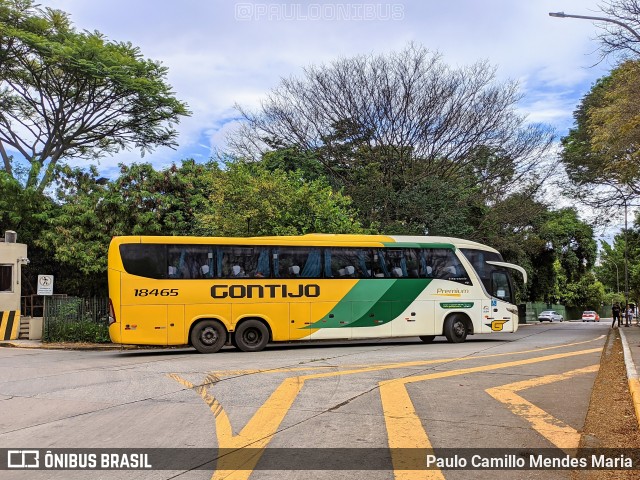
point(12, 256)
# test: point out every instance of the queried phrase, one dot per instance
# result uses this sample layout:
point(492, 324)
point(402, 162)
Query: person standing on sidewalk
point(627, 314)
point(615, 312)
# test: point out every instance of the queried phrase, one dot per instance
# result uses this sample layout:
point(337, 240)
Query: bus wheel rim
point(252, 336)
point(458, 328)
point(209, 336)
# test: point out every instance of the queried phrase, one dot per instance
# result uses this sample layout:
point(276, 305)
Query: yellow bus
point(208, 292)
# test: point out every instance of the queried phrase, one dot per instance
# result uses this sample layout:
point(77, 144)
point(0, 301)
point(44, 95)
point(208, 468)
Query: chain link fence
point(73, 319)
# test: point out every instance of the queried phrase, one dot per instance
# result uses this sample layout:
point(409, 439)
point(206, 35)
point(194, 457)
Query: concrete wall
point(10, 255)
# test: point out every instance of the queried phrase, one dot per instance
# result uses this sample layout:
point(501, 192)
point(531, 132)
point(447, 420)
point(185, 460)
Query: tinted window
point(145, 260)
point(292, 262)
point(243, 262)
point(190, 261)
point(402, 262)
point(6, 278)
point(500, 286)
point(442, 263)
point(478, 259)
point(348, 263)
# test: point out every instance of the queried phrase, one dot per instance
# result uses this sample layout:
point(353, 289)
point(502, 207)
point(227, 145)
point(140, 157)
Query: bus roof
point(314, 239)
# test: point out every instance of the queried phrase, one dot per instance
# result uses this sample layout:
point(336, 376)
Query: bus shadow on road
point(436, 344)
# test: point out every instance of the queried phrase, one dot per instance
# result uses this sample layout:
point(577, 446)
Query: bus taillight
point(112, 313)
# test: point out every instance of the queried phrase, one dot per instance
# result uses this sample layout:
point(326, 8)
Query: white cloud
point(215, 60)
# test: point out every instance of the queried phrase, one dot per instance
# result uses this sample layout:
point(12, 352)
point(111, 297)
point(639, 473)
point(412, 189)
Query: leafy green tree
point(588, 293)
point(141, 201)
point(610, 271)
point(613, 255)
point(614, 125)
point(251, 200)
point(66, 94)
point(572, 241)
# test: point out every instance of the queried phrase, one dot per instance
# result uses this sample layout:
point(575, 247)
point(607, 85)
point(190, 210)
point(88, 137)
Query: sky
point(221, 52)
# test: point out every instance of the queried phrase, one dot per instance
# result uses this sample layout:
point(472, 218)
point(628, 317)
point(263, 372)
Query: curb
point(632, 375)
point(93, 347)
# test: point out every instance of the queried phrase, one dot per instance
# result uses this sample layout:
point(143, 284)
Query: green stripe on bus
point(363, 291)
point(449, 246)
point(373, 302)
point(394, 301)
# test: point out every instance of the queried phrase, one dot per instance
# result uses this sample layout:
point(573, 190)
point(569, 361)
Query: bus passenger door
point(144, 324)
point(299, 321)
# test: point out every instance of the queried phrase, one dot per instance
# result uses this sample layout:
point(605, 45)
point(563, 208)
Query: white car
point(550, 316)
point(590, 316)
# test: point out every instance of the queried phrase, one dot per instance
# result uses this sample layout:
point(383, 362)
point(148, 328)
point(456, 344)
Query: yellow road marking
point(258, 432)
point(556, 431)
point(404, 427)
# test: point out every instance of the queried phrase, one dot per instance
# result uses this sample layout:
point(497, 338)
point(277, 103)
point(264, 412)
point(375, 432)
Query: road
point(524, 390)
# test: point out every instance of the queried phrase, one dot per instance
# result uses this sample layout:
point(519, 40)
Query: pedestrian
point(615, 312)
point(627, 315)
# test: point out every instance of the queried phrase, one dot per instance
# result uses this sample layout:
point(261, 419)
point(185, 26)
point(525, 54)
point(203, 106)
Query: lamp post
point(626, 269)
point(597, 19)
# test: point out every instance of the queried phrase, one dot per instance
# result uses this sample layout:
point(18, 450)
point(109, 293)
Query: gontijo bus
point(208, 292)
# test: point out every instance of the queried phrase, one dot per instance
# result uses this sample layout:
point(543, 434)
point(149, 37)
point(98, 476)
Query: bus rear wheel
point(455, 329)
point(427, 338)
point(208, 336)
point(251, 336)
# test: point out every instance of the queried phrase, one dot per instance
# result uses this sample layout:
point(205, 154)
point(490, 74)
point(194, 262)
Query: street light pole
point(617, 276)
point(626, 270)
point(597, 19)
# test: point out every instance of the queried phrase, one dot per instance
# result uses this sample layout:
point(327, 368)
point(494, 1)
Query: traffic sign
point(45, 284)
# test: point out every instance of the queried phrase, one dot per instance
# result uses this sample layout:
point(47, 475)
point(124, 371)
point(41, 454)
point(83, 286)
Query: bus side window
point(412, 262)
point(402, 263)
point(295, 262)
point(446, 266)
point(240, 262)
point(380, 268)
point(349, 262)
point(190, 261)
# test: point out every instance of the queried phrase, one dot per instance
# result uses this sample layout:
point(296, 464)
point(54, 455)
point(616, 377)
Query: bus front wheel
point(251, 336)
point(208, 336)
point(455, 329)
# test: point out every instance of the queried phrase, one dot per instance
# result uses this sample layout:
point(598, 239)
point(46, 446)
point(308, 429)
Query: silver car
point(550, 316)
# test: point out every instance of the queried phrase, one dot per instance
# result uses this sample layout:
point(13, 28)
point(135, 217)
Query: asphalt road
point(525, 390)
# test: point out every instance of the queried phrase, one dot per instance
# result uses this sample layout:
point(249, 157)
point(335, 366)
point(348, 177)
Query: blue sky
point(222, 52)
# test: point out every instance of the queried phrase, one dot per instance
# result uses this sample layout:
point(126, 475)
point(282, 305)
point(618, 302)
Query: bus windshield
point(496, 280)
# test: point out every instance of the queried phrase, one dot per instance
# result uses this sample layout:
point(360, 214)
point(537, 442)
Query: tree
point(250, 200)
point(384, 126)
point(615, 38)
point(66, 94)
point(614, 125)
point(587, 293)
point(141, 201)
point(602, 162)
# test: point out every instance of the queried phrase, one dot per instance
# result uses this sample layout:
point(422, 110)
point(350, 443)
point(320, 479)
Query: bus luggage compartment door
point(144, 324)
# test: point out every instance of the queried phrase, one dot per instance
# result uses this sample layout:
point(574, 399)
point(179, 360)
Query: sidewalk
point(631, 345)
point(67, 345)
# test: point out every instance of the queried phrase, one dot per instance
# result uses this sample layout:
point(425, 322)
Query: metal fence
point(72, 319)
point(32, 305)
